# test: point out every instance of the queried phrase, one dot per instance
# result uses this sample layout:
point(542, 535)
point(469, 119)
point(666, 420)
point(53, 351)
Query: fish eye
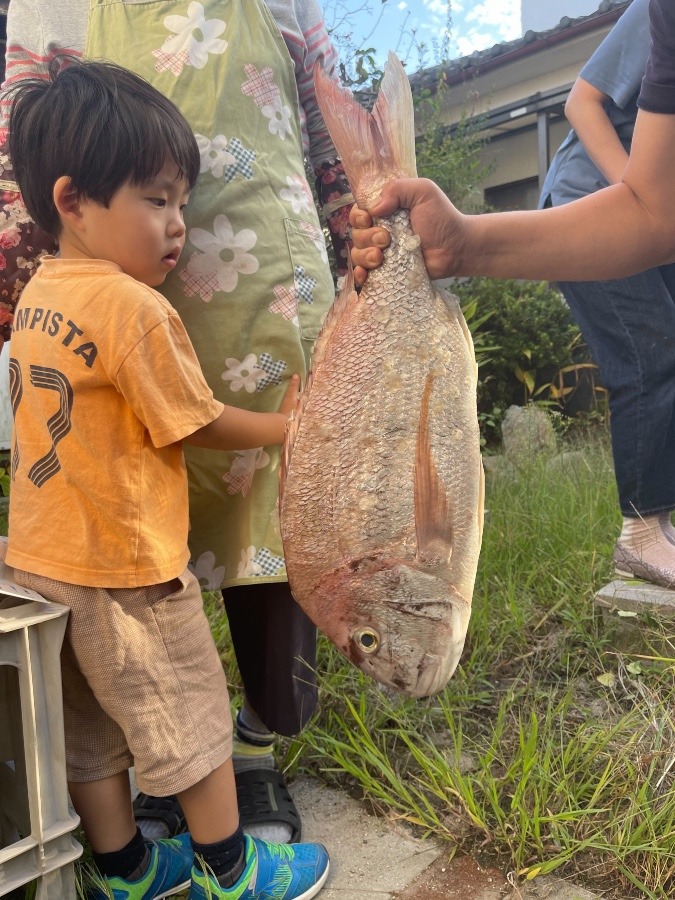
point(367, 640)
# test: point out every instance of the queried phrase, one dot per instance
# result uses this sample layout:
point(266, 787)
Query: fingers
point(291, 396)
point(363, 261)
point(359, 218)
point(360, 274)
point(365, 238)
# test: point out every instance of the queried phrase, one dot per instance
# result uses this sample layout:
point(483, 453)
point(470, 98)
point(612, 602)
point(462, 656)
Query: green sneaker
point(168, 873)
point(273, 872)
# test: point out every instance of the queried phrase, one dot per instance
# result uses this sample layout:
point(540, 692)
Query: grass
point(549, 750)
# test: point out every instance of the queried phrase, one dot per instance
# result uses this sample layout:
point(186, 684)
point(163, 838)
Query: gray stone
point(370, 857)
point(527, 432)
point(630, 608)
point(635, 596)
point(569, 464)
point(498, 467)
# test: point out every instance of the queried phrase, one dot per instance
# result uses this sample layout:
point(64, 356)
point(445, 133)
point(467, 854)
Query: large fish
point(382, 481)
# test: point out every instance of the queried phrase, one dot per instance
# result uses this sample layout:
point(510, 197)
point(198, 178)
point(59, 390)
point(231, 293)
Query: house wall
point(514, 158)
point(518, 97)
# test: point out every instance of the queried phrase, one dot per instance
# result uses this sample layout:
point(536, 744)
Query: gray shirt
point(616, 68)
point(658, 86)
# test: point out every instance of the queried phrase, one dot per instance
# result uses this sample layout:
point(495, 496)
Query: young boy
point(105, 388)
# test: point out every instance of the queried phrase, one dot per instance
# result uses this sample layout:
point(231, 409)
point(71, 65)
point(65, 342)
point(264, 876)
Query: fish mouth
point(428, 677)
point(434, 674)
point(418, 665)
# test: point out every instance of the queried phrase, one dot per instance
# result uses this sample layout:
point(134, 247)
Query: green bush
point(5, 477)
point(533, 349)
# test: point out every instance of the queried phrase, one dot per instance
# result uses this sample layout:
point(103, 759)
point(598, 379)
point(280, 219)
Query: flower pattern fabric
point(244, 466)
point(194, 38)
point(224, 254)
point(22, 245)
point(252, 286)
point(245, 374)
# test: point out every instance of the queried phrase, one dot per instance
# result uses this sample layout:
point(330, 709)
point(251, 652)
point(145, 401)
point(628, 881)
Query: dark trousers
point(629, 326)
point(275, 646)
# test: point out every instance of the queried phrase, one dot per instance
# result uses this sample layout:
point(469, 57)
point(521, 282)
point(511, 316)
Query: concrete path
point(374, 859)
point(377, 859)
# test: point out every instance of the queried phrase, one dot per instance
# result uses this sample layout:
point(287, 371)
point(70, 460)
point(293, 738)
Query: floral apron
point(253, 283)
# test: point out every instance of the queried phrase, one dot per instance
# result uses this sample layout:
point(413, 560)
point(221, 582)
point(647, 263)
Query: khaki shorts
point(142, 683)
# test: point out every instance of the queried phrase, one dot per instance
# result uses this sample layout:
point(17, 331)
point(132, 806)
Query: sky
point(475, 25)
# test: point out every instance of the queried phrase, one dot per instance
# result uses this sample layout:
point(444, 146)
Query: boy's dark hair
point(100, 125)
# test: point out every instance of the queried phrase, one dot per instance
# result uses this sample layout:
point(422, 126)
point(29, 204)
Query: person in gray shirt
point(629, 323)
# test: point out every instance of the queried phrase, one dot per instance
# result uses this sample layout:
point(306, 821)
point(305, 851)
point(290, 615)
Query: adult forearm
point(609, 234)
point(623, 229)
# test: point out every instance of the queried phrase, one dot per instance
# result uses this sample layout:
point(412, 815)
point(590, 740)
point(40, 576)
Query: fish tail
point(374, 147)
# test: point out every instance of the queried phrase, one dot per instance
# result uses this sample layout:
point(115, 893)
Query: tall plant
point(449, 156)
point(359, 67)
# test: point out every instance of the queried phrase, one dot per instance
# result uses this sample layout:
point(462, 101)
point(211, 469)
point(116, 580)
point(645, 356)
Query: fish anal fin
point(433, 525)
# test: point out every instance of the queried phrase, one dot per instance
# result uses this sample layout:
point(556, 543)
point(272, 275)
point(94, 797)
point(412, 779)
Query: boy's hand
point(291, 397)
point(241, 429)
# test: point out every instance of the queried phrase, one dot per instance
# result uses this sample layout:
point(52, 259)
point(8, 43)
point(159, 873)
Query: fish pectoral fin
point(433, 525)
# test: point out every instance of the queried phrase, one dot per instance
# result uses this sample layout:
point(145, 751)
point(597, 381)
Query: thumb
point(391, 198)
point(403, 193)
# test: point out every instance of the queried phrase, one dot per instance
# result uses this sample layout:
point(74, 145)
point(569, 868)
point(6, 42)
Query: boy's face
point(142, 230)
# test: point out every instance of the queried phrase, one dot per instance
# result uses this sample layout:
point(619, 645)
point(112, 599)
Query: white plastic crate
point(36, 824)
point(5, 404)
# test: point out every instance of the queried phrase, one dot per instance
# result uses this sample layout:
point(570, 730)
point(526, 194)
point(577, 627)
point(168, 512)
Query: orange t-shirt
point(104, 384)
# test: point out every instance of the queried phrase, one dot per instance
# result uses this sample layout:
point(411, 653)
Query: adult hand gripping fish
point(382, 481)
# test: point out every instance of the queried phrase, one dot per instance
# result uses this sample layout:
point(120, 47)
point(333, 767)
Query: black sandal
point(263, 797)
point(167, 810)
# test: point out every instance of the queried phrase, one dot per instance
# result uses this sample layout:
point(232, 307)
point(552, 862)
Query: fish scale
point(382, 485)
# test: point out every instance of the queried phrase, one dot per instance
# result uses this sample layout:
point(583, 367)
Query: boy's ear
point(67, 201)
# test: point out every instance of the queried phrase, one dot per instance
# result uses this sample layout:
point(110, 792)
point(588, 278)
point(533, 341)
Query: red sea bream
point(382, 482)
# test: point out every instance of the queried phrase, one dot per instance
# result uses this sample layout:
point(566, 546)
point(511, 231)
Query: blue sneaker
point(168, 873)
point(272, 872)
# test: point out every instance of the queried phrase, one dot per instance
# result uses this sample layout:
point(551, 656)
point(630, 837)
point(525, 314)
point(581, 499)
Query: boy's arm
point(240, 429)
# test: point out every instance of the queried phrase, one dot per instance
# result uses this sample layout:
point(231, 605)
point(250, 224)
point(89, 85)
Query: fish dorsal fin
point(432, 512)
point(374, 147)
point(343, 301)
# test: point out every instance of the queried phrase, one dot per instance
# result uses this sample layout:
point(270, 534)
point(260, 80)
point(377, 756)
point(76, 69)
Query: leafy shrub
point(451, 157)
point(5, 476)
point(532, 349)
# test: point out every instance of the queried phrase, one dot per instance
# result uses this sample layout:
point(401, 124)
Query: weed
point(527, 753)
